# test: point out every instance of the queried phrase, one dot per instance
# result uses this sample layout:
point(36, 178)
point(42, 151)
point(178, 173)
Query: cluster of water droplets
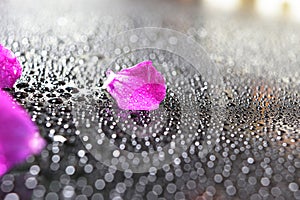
point(254, 139)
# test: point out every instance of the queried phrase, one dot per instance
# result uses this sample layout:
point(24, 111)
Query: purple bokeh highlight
point(19, 136)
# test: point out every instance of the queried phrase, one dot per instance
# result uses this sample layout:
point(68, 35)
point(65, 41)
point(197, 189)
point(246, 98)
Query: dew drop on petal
point(10, 68)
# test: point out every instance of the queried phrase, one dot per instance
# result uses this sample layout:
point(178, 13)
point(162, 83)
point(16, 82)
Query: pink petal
point(19, 136)
point(140, 87)
point(10, 68)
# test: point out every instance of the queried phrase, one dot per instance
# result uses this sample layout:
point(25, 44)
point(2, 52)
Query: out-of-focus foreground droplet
point(140, 87)
point(10, 68)
point(19, 137)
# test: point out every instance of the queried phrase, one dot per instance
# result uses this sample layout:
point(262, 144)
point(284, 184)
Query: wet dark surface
point(245, 139)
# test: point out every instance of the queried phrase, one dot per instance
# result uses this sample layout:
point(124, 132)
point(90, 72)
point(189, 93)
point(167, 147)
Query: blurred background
point(253, 34)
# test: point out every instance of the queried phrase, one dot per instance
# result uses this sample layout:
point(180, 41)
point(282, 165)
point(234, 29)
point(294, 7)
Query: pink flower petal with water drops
point(10, 68)
point(140, 87)
point(19, 137)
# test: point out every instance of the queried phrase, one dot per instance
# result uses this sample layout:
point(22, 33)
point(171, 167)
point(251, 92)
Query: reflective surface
point(244, 129)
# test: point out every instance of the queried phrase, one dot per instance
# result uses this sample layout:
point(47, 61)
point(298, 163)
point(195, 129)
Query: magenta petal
point(140, 87)
point(19, 136)
point(10, 68)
